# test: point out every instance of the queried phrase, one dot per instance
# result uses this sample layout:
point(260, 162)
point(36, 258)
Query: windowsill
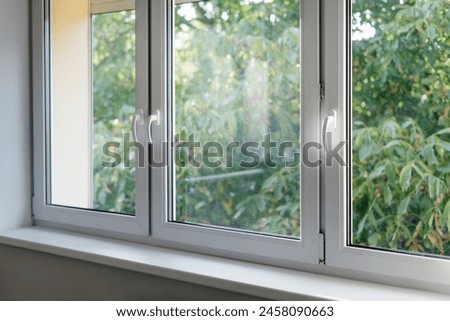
point(247, 278)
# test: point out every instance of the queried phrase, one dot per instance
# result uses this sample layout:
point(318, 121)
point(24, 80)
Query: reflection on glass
point(237, 99)
point(401, 125)
point(92, 104)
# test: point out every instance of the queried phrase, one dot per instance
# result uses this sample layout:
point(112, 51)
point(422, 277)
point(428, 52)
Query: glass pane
point(237, 115)
point(92, 106)
point(401, 125)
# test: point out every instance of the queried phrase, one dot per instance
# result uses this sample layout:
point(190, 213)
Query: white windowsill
point(248, 278)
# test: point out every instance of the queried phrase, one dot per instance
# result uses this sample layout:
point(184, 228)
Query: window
point(387, 213)
point(92, 100)
point(217, 93)
point(400, 195)
point(303, 133)
point(89, 90)
point(216, 194)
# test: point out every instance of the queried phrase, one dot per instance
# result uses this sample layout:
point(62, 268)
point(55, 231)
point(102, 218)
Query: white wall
point(15, 167)
point(70, 106)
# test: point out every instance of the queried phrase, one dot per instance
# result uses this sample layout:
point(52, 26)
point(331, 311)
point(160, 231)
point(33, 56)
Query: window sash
point(383, 266)
point(209, 240)
point(235, 244)
point(74, 218)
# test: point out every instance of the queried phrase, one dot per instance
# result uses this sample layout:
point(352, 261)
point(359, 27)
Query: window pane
point(237, 115)
point(401, 125)
point(114, 101)
point(92, 106)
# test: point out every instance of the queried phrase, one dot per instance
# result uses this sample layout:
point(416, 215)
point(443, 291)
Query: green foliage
point(237, 77)
point(404, 70)
point(113, 58)
point(215, 101)
point(400, 139)
point(400, 188)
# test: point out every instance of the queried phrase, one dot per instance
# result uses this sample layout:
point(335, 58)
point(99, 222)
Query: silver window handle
point(151, 120)
point(138, 119)
point(329, 123)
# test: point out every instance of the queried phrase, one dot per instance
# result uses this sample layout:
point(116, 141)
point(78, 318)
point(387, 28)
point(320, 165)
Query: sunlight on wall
point(70, 107)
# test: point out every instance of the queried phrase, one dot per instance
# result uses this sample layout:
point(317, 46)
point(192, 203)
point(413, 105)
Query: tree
point(400, 110)
point(237, 77)
point(113, 58)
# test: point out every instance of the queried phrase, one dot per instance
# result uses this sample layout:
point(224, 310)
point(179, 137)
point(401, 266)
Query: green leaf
point(393, 143)
point(378, 210)
point(362, 224)
point(432, 187)
point(439, 187)
point(377, 172)
point(430, 219)
point(372, 219)
point(404, 204)
point(418, 170)
point(390, 127)
point(446, 215)
point(358, 123)
point(405, 176)
point(373, 239)
point(431, 33)
point(444, 145)
point(261, 204)
point(387, 195)
point(365, 151)
point(435, 186)
point(430, 155)
point(443, 131)
point(360, 190)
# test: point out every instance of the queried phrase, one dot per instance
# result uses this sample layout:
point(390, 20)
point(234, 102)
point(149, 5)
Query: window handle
point(329, 123)
point(151, 120)
point(138, 119)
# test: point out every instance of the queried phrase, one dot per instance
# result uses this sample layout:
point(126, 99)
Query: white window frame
point(73, 218)
point(154, 16)
point(106, 6)
point(429, 273)
point(325, 59)
point(272, 250)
